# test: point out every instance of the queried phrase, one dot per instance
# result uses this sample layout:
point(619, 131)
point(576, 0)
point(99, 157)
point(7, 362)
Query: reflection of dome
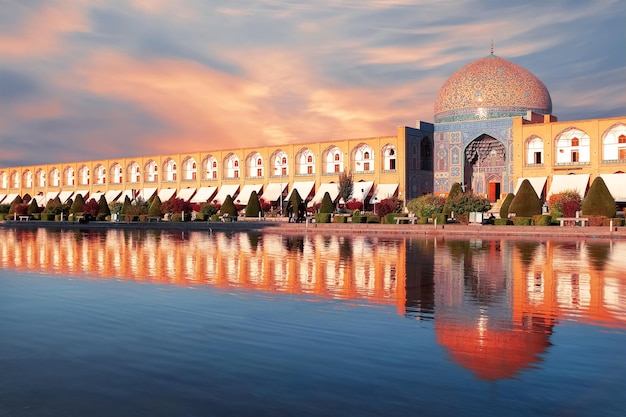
point(491, 88)
point(492, 354)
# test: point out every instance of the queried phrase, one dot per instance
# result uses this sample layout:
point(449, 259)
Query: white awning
point(360, 190)
point(244, 196)
point(126, 193)
point(204, 194)
point(383, 191)
point(39, 199)
point(273, 191)
point(537, 182)
point(616, 183)
point(9, 198)
point(146, 193)
point(186, 193)
point(304, 189)
point(224, 191)
point(332, 189)
point(562, 183)
point(2, 197)
point(166, 193)
point(96, 196)
point(65, 195)
point(50, 195)
point(113, 195)
point(83, 193)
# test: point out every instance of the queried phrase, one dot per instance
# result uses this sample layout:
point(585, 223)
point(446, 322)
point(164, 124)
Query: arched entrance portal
point(485, 165)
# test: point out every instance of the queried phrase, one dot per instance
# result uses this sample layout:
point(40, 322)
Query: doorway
point(494, 191)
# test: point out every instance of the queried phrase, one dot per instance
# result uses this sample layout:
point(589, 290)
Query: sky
point(98, 79)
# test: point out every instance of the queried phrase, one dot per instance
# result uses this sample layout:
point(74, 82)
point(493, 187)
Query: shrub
point(440, 218)
point(327, 205)
point(77, 205)
point(177, 217)
point(387, 206)
point(502, 222)
point(4, 208)
point(26, 198)
point(596, 220)
point(178, 205)
point(542, 220)
point(422, 220)
point(208, 209)
point(525, 203)
point(454, 191)
point(16, 202)
point(427, 205)
point(341, 219)
point(33, 207)
point(322, 217)
point(354, 204)
point(22, 209)
point(155, 207)
point(522, 220)
point(228, 207)
point(91, 207)
point(103, 207)
point(125, 206)
point(373, 219)
point(253, 209)
point(504, 208)
point(599, 201)
point(390, 218)
point(359, 219)
point(569, 198)
point(617, 222)
point(467, 202)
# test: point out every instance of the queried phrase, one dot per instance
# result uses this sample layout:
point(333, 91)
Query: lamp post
point(363, 199)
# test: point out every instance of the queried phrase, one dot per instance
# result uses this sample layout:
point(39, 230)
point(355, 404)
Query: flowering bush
point(427, 205)
point(353, 204)
point(387, 206)
point(565, 204)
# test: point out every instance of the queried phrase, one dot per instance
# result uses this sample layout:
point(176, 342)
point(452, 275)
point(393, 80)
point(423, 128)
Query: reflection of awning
point(361, 189)
point(204, 194)
point(166, 193)
point(304, 189)
point(9, 198)
point(246, 192)
point(332, 189)
point(96, 196)
point(65, 195)
point(112, 195)
point(186, 193)
point(147, 193)
point(224, 191)
point(383, 191)
point(537, 182)
point(83, 193)
point(273, 191)
point(616, 183)
point(562, 183)
point(126, 193)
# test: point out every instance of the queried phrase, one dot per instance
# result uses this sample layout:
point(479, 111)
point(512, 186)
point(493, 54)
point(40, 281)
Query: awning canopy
point(96, 196)
point(244, 196)
point(204, 194)
point(83, 193)
point(185, 194)
point(332, 189)
point(273, 191)
point(360, 190)
point(383, 191)
point(537, 182)
point(616, 183)
point(304, 189)
point(50, 195)
point(40, 199)
point(224, 191)
point(65, 195)
point(130, 193)
point(562, 183)
point(166, 193)
point(9, 198)
point(147, 193)
point(2, 197)
point(113, 195)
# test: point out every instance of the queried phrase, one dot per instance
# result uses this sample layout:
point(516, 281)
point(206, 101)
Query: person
point(289, 212)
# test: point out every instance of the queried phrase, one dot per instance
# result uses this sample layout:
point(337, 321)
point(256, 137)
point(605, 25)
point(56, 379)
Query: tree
point(346, 186)
point(33, 207)
point(427, 205)
point(54, 206)
point(175, 205)
point(504, 208)
point(526, 203)
point(254, 206)
point(126, 205)
point(103, 207)
point(155, 207)
point(228, 207)
point(16, 202)
point(91, 207)
point(387, 206)
point(565, 203)
point(599, 201)
point(327, 204)
point(77, 205)
point(454, 191)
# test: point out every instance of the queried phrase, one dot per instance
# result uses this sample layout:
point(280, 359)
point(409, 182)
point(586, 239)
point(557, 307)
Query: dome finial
point(491, 46)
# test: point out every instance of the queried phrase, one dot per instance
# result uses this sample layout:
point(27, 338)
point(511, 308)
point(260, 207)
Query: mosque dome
point(491, 88)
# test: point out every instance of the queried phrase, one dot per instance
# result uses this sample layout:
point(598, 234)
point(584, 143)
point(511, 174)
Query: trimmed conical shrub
point(504, 208)
point(327, 205)
point(33, 207)
point(77, 204)
point(103, 207)
point(525, 203)
point(254, 206)
point(599, 201)
point(53, 206)
point(228, 207)
point(155, 207)
point(126, 205)
point(454, 191)
point(16, 202)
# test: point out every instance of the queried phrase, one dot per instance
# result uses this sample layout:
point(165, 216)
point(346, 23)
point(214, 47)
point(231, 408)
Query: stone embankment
point(404, 230)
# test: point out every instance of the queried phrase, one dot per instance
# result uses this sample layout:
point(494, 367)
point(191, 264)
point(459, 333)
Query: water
point(129, 323)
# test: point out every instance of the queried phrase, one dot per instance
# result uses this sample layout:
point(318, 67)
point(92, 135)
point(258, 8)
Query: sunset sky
point(97, 79)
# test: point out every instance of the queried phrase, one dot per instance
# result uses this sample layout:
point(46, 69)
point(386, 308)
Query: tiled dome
point(491, 88)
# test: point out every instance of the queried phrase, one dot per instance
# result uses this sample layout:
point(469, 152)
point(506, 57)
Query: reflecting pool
point(136, 323)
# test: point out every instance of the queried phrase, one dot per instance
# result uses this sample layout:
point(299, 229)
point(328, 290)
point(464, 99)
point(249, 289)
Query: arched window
point(572, 147)
point(231, 166)
point(278, 161)
point(101, 174)
point(534, 151)
point(134, 173)
point(41, 178)
point(15, 179)
point(152, 171)
point(27, 179)
point(4, 182)
point(389, 157)
point(362, 159)
point(254, 165)
point(69, 176)
point(614, 143)
point(305, 162)
point(170, 170)
point(209, 167)
point(83, 175)
point(189, 169)
point(117, 172)
point(333, 160)
point(55, 177)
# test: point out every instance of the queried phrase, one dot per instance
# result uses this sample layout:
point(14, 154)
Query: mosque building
point(493, 127)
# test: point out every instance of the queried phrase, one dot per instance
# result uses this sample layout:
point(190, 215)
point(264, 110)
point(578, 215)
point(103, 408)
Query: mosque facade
point(493, 127)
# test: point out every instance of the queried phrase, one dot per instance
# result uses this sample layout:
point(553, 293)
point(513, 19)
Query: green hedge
point(441, 218)
point(542, 220)
point(373, 219)
point(215, 217)
point(341, 219)
point(502, 222)
point(322, 217)
point(522, 221)
point(359, 219)
point(617, 222)
point(177, 217)
point(391, 217)
point(422, 220)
